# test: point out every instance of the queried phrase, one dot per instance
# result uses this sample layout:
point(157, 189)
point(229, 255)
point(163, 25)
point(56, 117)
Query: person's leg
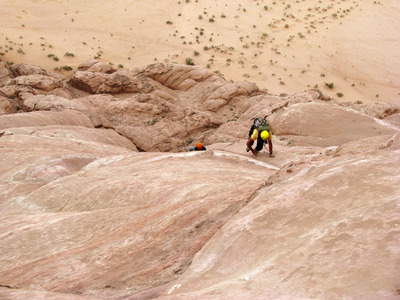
point(260, 144)
point(251, 144)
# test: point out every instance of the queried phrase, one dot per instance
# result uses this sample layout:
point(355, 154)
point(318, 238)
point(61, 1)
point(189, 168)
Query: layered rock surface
point(99, 198)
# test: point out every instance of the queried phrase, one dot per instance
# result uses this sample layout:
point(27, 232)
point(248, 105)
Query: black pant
point(260, 144)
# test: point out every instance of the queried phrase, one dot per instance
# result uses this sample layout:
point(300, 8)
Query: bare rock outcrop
point(227, 92)
point(40, 82)
point(43, 118)
point(99, 197)
point(6, 107)
point(5, 72)
point(301, 124)
point(179, 77)
point(94, 65)
point(150, 122)
point(302, 228)
point(27, 69)
point(139, 237)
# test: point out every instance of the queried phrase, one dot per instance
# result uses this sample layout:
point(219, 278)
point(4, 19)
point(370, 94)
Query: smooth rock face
point(43, 118)
point(303, 122)
point(318, 234)
point(100, 199)
point(145, 224)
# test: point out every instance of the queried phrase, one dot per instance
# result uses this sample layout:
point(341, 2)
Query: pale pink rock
point(43, 118)
point(40, 82)
point(94, 65)
point(6, 107)
point(125, 211)
point(27, 69)
point(87, 81)
point(5, 72)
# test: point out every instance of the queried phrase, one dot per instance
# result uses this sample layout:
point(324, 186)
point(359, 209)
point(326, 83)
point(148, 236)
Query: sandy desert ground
point(348, 49)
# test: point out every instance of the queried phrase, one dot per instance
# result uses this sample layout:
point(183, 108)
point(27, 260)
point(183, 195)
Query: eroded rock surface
point(100, 199)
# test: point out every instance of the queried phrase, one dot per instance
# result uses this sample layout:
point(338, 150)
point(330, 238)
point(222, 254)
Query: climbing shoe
point(247, 149)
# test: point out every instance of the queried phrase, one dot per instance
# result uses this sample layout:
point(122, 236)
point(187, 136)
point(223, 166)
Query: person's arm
point(271, 153)
point(249, 142)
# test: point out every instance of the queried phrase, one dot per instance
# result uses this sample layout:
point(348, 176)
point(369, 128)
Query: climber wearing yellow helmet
point(261, 132)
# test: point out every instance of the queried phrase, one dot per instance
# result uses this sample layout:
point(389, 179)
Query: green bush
point(189, 61)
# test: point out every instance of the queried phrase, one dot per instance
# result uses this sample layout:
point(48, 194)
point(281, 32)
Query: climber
point(199, 147)
point(261, 132)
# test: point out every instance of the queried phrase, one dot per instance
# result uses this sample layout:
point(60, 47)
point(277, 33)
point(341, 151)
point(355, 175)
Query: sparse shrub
point(339, 94)
point(359, 102)
point(196, 53)
point(329, 84)
point(189, 61)
point(169, 22)
point(66, 68)
point(55, 58)
point(152, 122)
point(120, 66)
point(69, 54)
point(211, 20)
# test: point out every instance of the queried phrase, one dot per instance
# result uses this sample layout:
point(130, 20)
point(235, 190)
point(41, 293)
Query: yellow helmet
point(264, 135)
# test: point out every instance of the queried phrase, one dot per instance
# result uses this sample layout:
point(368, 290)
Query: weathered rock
point(394, 120)
point(139, 238)
point(290, 240)
point(27, 69)
point(43, 118)
point(40, 82)
point(5, 72)
point(94, 65)
point(151, 123)
point(368, 145)
point(6, 107)
point(122, 82)
point(301, 123)
point(83, 212)
point(12, 294)
point(377, 110)
point(87, 81)
point(178, 77)
point(51, 102)
point(227, 92)
point(95, 135)
point(33, 157)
